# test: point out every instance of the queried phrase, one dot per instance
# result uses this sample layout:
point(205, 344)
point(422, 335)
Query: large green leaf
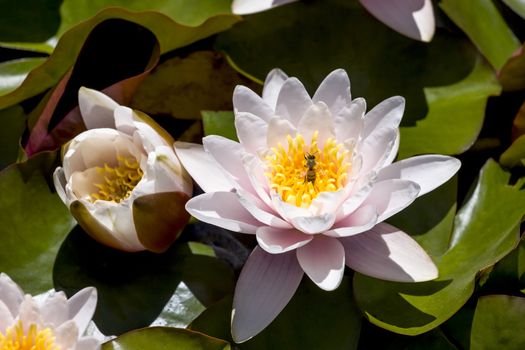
point(482, 22)
point(480, 238)
point(314, 319)
point(13, 126)
point(185, 85)
point(134, 289)
point(445, 80)
point(171, 35)
point(219, 123)
point(498, 323)
point(515, 154)
point(160, 338)
point(34, 223)
point(13, 73)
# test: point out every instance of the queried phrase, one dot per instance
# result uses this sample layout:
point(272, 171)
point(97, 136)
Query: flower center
point(300, 173)
point(119, 180)
point(16, 339)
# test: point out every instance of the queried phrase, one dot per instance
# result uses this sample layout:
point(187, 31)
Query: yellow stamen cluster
point(15, 338)
point(119, 180)
point(299, 180)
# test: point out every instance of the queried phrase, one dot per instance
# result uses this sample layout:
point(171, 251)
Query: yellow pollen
point(301, 173)
point(119, 180)
point(15, 338)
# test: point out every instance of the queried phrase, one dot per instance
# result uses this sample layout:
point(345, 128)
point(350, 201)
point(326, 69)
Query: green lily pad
point(13, 73)
point(137, 289)
point(498, 323)
point(183, 86)
point(484, 25)
point(445, 83)
point(171, 35)
point(480, 239)
point(34, 223)
point(13, 126)
point(219, 123)
point(314, 319)
point(514, 154)
point(160, 338)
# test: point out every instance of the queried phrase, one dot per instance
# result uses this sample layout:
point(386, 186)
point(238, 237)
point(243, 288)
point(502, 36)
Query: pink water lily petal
point(278, 130)
point(55, 310)
point(260, 211)
point(358, 222)
point(327, 202)
point(266, 284)
point(278, 241)
point(393, 152)
point(272, 86)
point(96, 109)
point(428, 171)
point(87, 343)
point(377, 148)
point(348, 122)
point(255, 169)
point(293, 101)
point(317, 118)
point(6, 319)
point(251, 131)
point(387, 253)
point(206, 172)
point(82, 306)
point(246, 7)
point(412, 18)
point(355, 199)
point(323, 260)
point(245, 100)
point(224, 210)
point(228, 154)
point(11, 294)
point(314, 224)
point(66, 335)
point(386, 114)
point(389, 197)
point(334, 90)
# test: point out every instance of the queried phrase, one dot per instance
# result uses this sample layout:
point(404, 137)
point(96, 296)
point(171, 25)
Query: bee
point(310, 166)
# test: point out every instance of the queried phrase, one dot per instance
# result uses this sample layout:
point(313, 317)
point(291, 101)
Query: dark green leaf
point(34, 223)
point(480, 238)
point(314, 319)
point(484, 25)
point(219, 123)
point(184, 86)
point(13, 125)
point(517, 5)
point(161, 338)
point(498, 323)
point(13, 73)
point(135, 288)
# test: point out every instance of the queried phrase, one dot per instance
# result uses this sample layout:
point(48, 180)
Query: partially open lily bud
point(121, 178)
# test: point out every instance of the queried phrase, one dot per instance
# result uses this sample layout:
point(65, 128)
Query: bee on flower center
point(310, 164)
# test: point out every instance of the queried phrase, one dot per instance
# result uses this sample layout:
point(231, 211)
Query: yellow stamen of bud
point(119, 180)
point(300, 173)
point(15, 338)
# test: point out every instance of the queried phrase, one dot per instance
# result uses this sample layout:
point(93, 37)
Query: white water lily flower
point(412, 18)
point(57, 323)
point(121, 178)
point(313, 179)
